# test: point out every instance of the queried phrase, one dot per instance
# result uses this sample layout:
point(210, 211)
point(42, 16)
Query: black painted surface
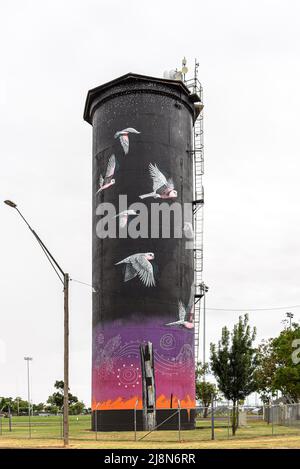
point(161, 114)
point(106, 420)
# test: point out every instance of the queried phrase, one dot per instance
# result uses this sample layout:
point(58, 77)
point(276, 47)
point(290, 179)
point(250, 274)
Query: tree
point(6, 404)
point(51, 409)
point(77, 408)
point(233, 363)
point(14, 406)
point(277, 369)
point(204, 389)
point(56, 400)
point(20, 406)
point(38, 407)
point(265, 370)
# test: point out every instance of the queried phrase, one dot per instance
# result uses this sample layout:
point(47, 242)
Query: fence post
point(0, 424)
point(96, 422)
point(60, 422)
point(29, 423)
point(228, 422)
point(212, 418)
point(179, 421)
point(272, 418)
point(134, 415)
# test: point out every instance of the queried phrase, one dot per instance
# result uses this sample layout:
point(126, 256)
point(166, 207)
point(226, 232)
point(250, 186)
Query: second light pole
point(28, 360)
point(65, 279)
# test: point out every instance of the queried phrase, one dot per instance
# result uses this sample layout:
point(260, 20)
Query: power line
point(255, 309)
point(84, 283)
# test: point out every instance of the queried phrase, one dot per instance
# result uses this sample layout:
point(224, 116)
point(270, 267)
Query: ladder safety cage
point(195, 87)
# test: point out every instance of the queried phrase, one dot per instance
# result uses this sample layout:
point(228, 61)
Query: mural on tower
point(108, 180)
point(144, 285)
point(117, 364)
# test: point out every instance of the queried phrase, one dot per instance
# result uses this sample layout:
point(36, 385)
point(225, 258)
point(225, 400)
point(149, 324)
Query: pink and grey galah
point(163, 188)
point(186, 315)
point(122, 135)
point(123, 217)
point(139, 265)
point(185, 318)
point(108, 180)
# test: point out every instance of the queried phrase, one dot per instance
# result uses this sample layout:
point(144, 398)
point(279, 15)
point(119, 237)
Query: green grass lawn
point(48, 430)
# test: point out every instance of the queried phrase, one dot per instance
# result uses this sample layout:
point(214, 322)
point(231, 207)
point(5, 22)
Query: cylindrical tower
point(142, 251)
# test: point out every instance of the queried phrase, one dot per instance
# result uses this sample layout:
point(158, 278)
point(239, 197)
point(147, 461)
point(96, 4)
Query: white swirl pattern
point(112, 354)
point(167, 341)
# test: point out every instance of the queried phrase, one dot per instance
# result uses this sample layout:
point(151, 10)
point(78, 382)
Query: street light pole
point(64, 278)
point(28, 360)
point(66, 359)
point(204, 332)
point(205, 290)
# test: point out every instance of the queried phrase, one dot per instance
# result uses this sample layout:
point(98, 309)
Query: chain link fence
point(212, 423)
point(287, 415)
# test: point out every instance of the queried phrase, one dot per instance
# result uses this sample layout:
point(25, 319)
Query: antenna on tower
point(177, 74)
point(184, 68)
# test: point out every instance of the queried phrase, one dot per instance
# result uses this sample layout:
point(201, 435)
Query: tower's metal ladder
point(198, 169)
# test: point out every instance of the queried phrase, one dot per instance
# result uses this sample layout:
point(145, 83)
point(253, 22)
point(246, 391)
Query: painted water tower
point(142, 166)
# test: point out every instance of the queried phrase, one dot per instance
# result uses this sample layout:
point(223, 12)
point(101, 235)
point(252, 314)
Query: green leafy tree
point(205, 390)
point(51, 409)
point(233, 363)
point(278, 366)
point(56, 400)
point(77, 408)
point(6, 404)
point(38, 407)
point(20, 406)
point(265, 370)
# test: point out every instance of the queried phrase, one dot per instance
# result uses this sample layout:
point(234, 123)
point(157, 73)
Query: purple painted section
point(117, 369)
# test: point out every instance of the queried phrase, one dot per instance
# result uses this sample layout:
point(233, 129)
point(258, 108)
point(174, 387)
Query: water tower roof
point(134, 81)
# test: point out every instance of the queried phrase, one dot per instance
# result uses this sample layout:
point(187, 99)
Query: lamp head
point(10, 203)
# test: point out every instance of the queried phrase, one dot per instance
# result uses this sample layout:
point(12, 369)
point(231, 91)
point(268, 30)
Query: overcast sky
point(52, 53)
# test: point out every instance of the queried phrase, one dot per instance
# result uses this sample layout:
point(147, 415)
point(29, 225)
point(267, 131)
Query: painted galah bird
point(124, 139)
point(105, 356)
point(184, 320)
point(108, 180)
point(123, 217)
point(191, 303)
point(162, 188)
point(188, 230)
point(139, 265)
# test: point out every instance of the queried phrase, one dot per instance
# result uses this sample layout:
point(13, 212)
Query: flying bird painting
point(123, 217)
point(105, 357)
point(108, 180)
point(185, 315)
point(162, 188)
point(188, 230)
point(139, 265)
point(122, 135)
point(184, 318)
